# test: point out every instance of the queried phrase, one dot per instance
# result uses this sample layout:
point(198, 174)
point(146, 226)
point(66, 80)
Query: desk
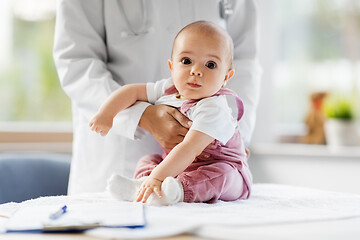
point(323, 230)
point(22, 236)
point(76, 237)
point(273, 212)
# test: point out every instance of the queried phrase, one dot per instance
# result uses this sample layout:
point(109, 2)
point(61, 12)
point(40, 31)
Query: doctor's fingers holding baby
point(166, 124)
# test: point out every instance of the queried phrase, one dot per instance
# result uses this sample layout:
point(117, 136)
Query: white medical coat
point(95, 53)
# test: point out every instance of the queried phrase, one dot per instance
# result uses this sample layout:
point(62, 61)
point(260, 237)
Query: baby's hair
point(209, 29)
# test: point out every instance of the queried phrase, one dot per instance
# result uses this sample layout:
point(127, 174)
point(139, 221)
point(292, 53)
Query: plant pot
point(341, 132)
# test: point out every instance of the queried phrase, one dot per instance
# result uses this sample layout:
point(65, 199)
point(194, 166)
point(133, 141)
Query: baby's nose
point(196, 71)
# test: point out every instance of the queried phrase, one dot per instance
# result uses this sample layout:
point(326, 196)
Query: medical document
point(77, 217)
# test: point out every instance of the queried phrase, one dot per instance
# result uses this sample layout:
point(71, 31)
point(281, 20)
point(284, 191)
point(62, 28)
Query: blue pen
point(58, 213)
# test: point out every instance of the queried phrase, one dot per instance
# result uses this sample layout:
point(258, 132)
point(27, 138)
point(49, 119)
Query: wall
point(321, 167)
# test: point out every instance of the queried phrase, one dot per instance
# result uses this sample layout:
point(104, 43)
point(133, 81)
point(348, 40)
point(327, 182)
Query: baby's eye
point(210, 65)
point(186, 61)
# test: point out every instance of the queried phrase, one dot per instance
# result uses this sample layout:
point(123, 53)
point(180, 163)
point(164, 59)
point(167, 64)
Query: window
point(315, 46)
point(29, 86)
point(35, 112)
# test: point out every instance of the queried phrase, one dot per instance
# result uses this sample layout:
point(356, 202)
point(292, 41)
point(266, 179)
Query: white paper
point(121, 214)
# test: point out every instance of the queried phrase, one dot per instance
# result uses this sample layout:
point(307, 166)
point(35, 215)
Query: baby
point(201, 65)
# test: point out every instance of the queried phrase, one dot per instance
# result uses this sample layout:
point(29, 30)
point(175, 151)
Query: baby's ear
point(229, 75)
point(170, 64)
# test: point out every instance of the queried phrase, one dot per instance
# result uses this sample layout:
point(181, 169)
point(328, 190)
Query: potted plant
point(340, 126)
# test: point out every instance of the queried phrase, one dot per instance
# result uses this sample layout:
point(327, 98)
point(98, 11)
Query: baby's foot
point(123, 188)
point(172, 192)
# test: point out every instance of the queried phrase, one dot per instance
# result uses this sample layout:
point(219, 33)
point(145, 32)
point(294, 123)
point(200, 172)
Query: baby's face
point(199, 65)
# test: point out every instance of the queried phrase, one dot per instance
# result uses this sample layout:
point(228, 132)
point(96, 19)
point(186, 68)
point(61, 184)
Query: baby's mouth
point(194, 85)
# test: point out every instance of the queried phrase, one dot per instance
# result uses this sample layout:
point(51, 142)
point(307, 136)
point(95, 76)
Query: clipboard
point(78, 217)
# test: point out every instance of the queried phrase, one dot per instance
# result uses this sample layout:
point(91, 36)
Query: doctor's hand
point(167, 125)
point(101, 124)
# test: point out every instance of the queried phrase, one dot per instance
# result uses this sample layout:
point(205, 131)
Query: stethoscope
point(225, 11)
point(143, 30)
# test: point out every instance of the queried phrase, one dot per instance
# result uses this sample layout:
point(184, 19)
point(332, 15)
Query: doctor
point(101, 45)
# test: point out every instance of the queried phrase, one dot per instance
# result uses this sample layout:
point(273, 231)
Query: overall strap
point(239, 103)
point(223, 91)
point(170, 90)
point(187, 105)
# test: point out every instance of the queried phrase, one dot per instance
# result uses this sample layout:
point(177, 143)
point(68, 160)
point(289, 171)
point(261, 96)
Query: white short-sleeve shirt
point(211, 115)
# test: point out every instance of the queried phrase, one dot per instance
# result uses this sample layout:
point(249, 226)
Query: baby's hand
point(149, 186)
point(101, 124)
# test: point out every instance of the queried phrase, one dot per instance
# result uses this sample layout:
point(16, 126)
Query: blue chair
point(30, 175)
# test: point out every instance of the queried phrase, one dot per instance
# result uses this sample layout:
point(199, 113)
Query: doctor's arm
point(243, 28)
point(80, 55)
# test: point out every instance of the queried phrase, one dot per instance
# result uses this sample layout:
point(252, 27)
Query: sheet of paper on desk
point(77, 217)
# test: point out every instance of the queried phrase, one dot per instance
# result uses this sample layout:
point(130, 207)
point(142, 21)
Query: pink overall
point(225, 175)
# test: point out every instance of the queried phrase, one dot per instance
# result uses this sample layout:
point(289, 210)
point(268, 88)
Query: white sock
point(123, 188)
point(172, 192)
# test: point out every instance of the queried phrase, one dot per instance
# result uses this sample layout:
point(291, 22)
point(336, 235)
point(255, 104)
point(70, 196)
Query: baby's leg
point(171, 188)
point(209, 183)
point(123, 188)
point(172, 192)
point(126, 189)
point(146, 164)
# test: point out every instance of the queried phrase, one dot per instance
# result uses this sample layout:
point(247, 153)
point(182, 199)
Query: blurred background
point(308, 115)
point(307, 47)
point(29, 86)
